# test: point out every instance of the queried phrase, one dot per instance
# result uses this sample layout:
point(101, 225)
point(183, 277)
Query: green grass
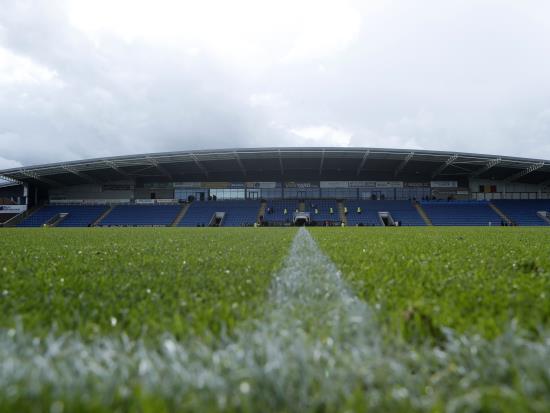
point(473, 280)
point(170, 319)
point(141, 282)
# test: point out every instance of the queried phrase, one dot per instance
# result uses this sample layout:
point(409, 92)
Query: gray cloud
point(465, 76)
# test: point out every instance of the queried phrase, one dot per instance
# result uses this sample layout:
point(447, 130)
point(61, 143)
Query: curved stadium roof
point(276, 164)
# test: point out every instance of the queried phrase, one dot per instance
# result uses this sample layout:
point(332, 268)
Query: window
point(233, 193)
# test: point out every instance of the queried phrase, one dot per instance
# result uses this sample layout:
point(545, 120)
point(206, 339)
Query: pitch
point(275, 319)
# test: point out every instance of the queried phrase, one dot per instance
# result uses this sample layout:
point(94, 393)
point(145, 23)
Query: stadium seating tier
point(78, 215)
point(245, 212)
point(277, 207)
point(524, 212)
point(323, 207)
point(402, 211)
point(141, 215)
point(461, 213)
point(237, 213)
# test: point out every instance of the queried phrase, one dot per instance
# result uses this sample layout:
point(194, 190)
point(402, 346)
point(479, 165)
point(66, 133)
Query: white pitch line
point(311, 337)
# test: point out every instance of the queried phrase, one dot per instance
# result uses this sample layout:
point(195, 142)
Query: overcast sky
point(82, 79)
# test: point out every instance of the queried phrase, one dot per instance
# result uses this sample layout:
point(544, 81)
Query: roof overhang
point(269, 164)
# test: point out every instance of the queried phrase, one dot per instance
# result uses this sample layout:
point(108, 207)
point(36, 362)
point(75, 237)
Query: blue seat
point(78, 215)
point(461, 213)
point(524, 212)
point(141, 215)
point(402, 211)
point(323, 210)
point(237, 213)
point(278, 206)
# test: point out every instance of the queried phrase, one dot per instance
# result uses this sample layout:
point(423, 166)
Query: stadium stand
point(84, 216)
point(78, 215)
point(323, 210)
point(461, 213)
point(237, 213)
point(368, 215)
point(277, 208)
point(141, 215)
point(244, 213)
point(524, 212)
point(384, 183)
point(402, 211)
point(240, 213)
point(200, 214)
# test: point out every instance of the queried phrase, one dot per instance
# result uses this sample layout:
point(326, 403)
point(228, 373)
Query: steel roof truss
point(363, 161)
point(492, 163)
point(161, 168)
point(241, 166)
point(199, 164)
point(526, 171)
point(404, 163)
point(82, 175)
point(113, 166)
point(447, 163)
point(40, 178)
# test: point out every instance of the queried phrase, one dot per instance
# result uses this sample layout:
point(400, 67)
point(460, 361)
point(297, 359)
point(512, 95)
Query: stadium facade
point(303, 177)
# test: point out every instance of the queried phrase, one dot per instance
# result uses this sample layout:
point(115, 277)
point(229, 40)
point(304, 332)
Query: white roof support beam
point(238, 159)
point(40, 178)
point(113, 166)
point(403, 164)
point(9, 181)
point(82, 175)
point(322, 162)
point(524, 172)
point(160, 168)
point(281, 163)
point(491, 164)
point(363, 161)
point(199, 164)
point(447, 163)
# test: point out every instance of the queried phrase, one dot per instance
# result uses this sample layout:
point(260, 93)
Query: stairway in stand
point(423, 214)
point(500, 213)
point(342, 212)
point(261, 211)
point(102, 216)
point(180, 215)
point(12, 222)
